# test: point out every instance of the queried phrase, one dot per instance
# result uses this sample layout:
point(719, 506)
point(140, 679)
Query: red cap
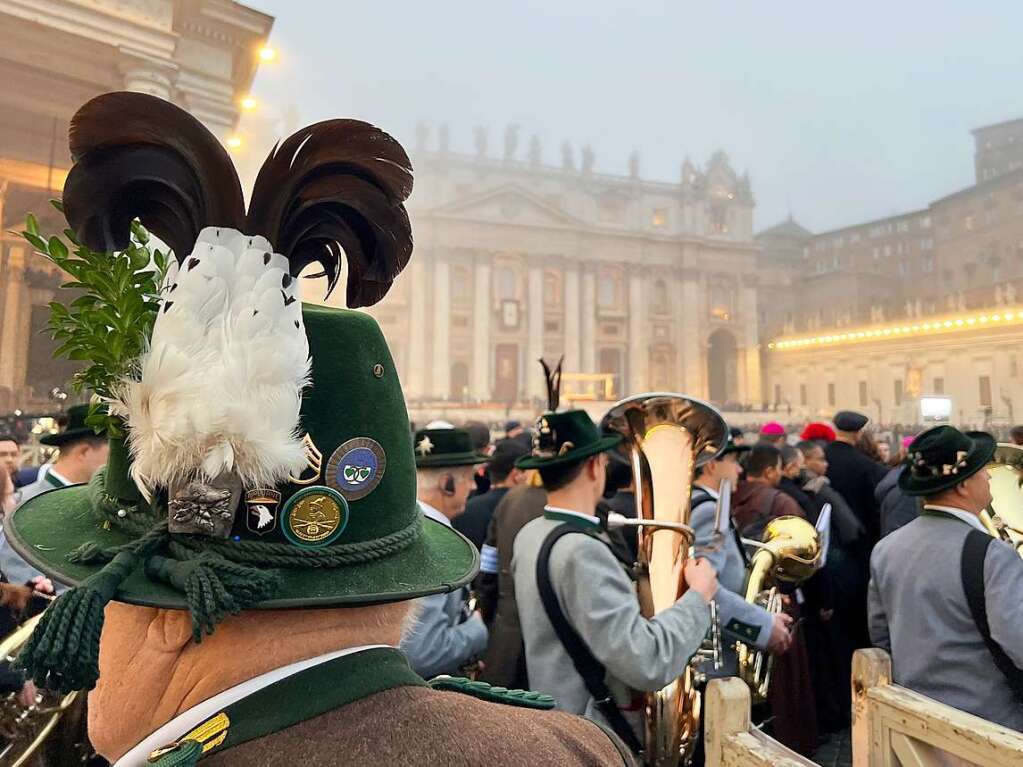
point(772, 429)
point(818, 430)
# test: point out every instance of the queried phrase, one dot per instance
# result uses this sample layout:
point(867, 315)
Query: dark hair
point(557, 477)
point(788, 454)
point(10, 438)
point(479, 434)
point(761, 458)
point(807, 446)
point(502, 460)
point(1016, 433)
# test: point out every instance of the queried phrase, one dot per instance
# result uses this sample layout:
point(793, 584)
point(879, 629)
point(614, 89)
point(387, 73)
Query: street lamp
point(267, 54)
point(248, 103)
point(234, 142)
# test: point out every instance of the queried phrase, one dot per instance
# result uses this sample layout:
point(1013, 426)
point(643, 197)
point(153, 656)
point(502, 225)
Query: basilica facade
point(641, 285)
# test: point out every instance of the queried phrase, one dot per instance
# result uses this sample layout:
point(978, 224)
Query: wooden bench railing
point(896, 727)
point(730, 740)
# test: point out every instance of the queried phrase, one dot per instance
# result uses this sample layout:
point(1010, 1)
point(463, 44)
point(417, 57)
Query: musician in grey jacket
point(447, 634)
point(739, 619)
point(591, 582)
point(918, 608)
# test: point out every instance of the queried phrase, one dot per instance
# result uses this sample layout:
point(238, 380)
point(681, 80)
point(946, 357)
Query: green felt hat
point(437, 448)
point(563, 438)
point(942, 457)
point(74, 429)
point(380, 549)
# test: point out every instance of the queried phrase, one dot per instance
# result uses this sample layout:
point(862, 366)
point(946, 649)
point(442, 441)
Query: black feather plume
point(553, 384)
point(337, 187)
point(138, 156)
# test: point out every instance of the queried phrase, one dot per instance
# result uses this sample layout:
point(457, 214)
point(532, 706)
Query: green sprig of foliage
point(109, 324)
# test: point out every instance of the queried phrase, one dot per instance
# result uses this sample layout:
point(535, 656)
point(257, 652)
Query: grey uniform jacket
point(918, 612)
point(443, 637)
point(739, 619)
point(599, 601)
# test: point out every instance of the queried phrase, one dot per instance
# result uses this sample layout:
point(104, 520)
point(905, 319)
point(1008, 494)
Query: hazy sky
point(841, 112)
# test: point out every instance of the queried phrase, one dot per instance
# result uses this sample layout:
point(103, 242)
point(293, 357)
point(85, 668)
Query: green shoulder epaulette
point(484, 691)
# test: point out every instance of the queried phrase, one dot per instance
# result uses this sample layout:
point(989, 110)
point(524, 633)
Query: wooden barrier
point(730, 740)
point(896, 727)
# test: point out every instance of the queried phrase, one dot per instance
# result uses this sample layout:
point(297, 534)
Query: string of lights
point(939, 325)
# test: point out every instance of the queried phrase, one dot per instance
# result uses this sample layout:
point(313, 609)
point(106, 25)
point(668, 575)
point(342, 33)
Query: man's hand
point(701, 577)
point(29, 694)
point(42, 584)
point(781, 637)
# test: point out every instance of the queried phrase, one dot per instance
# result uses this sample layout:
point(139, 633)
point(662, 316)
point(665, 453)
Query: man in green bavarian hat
point(447, 633)
point(579, 584)
point(944, 595)
point(244, 565)
point(82, 453)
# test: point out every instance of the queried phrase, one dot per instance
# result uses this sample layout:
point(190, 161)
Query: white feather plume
point(220, 385)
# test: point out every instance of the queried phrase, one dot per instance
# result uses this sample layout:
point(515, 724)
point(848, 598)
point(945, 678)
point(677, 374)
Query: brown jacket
point(418, 725)
point(504, 662)
point(754, 504)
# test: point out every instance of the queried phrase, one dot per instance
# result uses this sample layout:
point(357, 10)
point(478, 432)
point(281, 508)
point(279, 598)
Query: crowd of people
point(492, 488)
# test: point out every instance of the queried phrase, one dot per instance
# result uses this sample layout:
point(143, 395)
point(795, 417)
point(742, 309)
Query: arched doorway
point(722, 383)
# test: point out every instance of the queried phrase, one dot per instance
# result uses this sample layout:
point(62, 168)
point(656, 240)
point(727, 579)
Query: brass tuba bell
point(667, 436)
point(790, 553)
point(1004, 518)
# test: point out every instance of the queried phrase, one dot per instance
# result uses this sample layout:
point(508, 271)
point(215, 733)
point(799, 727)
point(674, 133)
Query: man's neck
point(845, 438)
point(759, 481)
point(436, 501)
point(951, 503)
point(707, 483)
point(572, 498)
point(72, 471)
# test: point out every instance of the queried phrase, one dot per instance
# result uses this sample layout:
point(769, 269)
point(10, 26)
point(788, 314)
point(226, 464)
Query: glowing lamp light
point(234, 142)
point(267, 54)
point(248, 103)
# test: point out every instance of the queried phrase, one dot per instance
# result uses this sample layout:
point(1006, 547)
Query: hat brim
point(733, 449)
point(63, 437)
point(450, 459)
point(46, 528)
point(576, 454)
point(976, 459)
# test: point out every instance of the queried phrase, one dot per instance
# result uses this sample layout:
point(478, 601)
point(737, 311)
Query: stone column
point(639, 353)
point(753, 393)
point(481, 346)
point(148, 75)
point(441, 362)
point(589, 321)
point(417, 373)
point(572, 340)
point(15, 325)
point(535, 312)
point(691, 337)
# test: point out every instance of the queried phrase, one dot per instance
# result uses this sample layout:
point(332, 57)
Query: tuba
point(667, 436)
point(24, 731)
point(1004, 517)
point(790, 553)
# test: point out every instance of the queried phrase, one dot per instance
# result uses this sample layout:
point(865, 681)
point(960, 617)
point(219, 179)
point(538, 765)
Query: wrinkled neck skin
point(151, 670)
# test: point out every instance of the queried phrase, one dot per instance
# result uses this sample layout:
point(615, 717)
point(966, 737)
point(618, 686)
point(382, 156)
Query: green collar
point(51, 479)
point(586, 522)
point(296, 698)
